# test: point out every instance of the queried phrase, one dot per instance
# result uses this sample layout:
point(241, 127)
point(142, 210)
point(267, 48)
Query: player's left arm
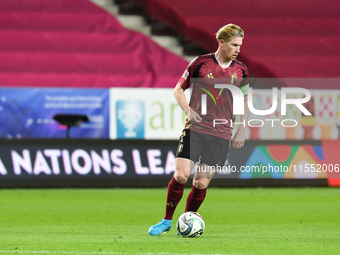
point(239, 138)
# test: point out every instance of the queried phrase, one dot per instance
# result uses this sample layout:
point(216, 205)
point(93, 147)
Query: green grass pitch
point(115, 221)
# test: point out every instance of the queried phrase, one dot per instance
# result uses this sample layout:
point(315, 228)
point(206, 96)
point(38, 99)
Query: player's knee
point(181, 177)
point(201, 183)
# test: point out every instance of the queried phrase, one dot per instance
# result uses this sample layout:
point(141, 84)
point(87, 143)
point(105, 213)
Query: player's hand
point(239, 139)
point(194, 117)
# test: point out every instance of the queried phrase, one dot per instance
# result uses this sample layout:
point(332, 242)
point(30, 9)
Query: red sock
point(175, 193)
point(195, 199)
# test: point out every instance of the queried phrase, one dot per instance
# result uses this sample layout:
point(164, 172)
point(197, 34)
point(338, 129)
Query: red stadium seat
point(283, 38)
point(64, 43)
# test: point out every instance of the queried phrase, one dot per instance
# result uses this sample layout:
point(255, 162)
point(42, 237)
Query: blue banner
point(29, 112)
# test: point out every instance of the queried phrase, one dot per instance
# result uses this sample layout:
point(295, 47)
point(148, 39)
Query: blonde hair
point(229, 31)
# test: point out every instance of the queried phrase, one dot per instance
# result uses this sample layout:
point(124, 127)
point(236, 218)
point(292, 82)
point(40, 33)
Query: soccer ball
point(190, 224)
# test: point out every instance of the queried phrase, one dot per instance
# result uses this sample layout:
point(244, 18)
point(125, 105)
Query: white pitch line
point(60, 252)
point(110, 252)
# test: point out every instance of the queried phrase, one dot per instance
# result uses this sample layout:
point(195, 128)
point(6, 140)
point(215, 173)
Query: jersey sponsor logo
point(130, 119)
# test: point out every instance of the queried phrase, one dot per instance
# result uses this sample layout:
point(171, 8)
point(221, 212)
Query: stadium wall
point(59, 163)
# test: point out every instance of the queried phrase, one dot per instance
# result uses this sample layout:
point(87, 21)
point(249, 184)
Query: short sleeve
point(184, 81)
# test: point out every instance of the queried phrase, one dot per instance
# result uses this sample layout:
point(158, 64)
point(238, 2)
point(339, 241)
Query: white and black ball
point(190, 224)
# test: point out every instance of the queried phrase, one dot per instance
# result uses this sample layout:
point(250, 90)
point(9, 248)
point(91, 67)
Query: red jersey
point(219, 103)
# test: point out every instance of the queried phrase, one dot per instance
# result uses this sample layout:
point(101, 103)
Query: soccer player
point(201, 140)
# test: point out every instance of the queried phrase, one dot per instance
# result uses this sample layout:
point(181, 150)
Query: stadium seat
point(284, 38)
point(75, 43)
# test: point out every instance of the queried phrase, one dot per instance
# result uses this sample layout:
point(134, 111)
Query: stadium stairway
point(133, 17)
point(283, 38)
point(75, 43)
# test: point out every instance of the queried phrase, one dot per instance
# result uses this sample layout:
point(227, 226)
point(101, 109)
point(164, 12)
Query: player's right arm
point(183, 103)
point(181, 86)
